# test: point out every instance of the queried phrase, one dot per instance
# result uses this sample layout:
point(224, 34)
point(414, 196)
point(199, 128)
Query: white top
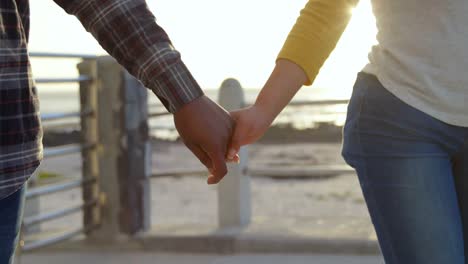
point(422, 55)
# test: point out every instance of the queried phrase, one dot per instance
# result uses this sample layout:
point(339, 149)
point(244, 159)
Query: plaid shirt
point(126, 29)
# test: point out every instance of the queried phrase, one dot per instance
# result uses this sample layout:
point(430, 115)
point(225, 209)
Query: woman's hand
point(252, 122)
point(250, 125)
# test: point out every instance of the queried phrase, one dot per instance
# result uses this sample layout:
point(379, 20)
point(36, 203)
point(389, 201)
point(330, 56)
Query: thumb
point(235, 115)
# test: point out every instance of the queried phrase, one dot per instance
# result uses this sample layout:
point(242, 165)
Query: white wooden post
point(234, 202)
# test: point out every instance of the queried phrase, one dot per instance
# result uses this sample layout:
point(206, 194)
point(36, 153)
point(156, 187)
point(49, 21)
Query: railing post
point(234, 202)
point(89, 136)
point(135, 163)
point(123, 152)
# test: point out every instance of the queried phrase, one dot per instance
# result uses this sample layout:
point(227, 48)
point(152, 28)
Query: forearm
point(128, 31)
point(284, 82)
point(307, 47)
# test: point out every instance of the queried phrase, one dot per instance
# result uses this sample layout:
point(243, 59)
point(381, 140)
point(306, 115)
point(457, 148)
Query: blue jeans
point(11, 210)
point(413, 171)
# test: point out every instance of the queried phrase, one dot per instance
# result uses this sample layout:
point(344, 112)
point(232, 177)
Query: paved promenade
point(147, 258)
point(321, 208)
point(300, 217)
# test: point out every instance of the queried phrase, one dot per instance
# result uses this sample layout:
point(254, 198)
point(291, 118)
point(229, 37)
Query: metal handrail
point(34, 220)
point(158, 114)
point(55, 239)
point(313, 170)
point(312, 102)
point(318, 102)
point(156, 105)
point(62, 55)
point(66, 150)
point(55, 116)
point(34, 192)
point(316, 170)
point(62, 125)
point(292, 103)
point(53, 120)
point(152, 128)
point(196, 172)
point(81, 78)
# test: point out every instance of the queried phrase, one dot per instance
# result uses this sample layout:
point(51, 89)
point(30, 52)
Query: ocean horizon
point(64, 98)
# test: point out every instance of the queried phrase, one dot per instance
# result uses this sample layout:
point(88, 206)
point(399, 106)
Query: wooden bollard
point(234, 202)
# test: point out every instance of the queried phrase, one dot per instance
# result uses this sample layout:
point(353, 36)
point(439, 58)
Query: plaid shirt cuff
point(175, 87)
point(128, 31)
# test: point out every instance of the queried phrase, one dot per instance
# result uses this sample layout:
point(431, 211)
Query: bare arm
point(284, 82)
point(310, 42)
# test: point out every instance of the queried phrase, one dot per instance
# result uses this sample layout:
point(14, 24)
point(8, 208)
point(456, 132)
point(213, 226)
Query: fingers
point(201, 155)
point(219, 167)
point(236, 141)
point(236, 159)
point(216, 164)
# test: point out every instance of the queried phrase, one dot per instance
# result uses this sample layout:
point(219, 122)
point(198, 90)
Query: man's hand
point(205, 129)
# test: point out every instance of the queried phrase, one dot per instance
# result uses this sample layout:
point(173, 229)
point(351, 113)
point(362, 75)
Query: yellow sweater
point(315, 34)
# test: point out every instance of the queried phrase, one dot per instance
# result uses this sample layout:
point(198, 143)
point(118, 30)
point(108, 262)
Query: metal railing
point(63, 55)
point(33, 220)
point(58, 119)
point(38, 191)
point(116, 154)
point(63, 80)
point(55, 239)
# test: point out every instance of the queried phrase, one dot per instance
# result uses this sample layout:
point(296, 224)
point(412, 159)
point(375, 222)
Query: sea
point(64, 98)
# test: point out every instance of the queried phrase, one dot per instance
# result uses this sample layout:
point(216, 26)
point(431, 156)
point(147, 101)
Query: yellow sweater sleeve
point(316, 33)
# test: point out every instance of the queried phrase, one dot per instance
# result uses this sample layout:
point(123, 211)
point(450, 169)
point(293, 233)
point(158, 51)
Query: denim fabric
point(11, 210)
point(413, 171)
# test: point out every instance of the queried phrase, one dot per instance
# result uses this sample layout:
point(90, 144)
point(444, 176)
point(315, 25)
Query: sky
point(217, 39)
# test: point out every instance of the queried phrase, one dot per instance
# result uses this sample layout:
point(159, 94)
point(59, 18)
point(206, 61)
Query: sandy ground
point(331, 207)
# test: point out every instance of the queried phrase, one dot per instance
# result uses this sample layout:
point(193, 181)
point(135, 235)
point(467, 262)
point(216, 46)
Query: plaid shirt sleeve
point(128, 31)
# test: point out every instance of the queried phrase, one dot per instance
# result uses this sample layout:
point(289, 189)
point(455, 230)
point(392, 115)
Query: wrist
point(176, 87)
point(266, 111)
point(187, 105)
